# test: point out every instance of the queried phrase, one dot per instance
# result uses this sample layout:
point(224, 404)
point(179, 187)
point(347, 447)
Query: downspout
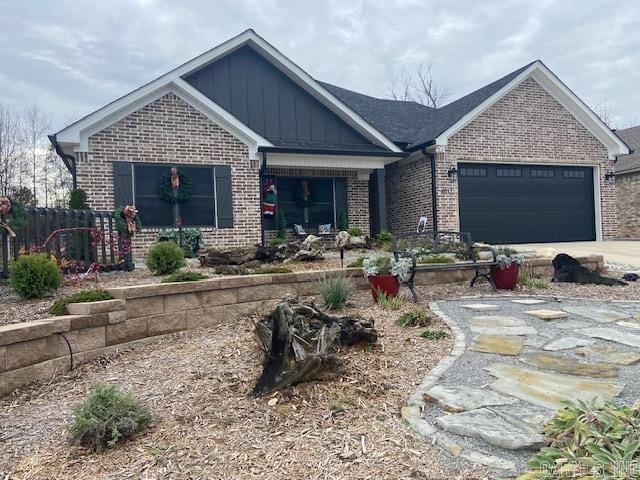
point(263, 167)
point(68, 160)
point(434, 206)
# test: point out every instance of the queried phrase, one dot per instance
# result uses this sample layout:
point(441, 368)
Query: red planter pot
point(506, 279)
point(387, 284)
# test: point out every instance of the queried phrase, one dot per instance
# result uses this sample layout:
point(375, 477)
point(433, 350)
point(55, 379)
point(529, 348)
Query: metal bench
point(416, 244)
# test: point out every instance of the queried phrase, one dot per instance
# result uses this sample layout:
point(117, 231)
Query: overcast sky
point(72, 57)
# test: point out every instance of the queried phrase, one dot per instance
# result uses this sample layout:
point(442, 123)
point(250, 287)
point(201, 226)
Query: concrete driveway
point(623, 253)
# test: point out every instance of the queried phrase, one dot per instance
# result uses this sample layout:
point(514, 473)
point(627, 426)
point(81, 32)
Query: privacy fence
point(78, 239)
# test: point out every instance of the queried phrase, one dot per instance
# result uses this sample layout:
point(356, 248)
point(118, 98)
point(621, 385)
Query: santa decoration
point(269, 199)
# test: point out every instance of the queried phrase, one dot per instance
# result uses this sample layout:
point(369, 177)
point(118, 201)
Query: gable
point(528, 122)
point(258, 94)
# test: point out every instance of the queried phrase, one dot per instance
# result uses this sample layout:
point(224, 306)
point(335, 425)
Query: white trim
point(559, 91)
point(332, 162)
point(72, 134)
point(597, 203)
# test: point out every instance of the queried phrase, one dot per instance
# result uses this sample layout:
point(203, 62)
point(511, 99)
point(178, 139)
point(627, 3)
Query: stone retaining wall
point(38, 350)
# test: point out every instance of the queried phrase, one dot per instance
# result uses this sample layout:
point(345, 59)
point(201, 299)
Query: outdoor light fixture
point(452, 172)
point(609, 175)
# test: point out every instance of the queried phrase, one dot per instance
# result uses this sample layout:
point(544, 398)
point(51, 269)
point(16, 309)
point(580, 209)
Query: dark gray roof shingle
point(629, 163)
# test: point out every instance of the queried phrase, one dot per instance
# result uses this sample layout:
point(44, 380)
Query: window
point(319, 209)
point(543, 173)
point(573, 173)
point(508, 172)
point(473, 172)
point(210, 203)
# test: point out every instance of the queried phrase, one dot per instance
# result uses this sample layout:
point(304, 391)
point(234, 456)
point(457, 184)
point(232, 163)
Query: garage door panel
point(532, 203)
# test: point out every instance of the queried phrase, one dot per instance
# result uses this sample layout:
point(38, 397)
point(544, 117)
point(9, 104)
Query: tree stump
point(301, 344)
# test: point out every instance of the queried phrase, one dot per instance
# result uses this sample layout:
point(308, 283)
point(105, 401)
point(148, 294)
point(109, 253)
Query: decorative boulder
point(277, 253)
point(228, 256)
point(308, 255)
point(346, 241)
point(311, 242)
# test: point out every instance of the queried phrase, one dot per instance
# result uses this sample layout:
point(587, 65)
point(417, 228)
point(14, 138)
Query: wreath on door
point(303, 195)
point(127, 222)
point(178, 181)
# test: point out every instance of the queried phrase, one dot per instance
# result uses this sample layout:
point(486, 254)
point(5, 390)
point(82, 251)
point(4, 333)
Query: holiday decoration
point(303, 195)
point(175, 187)
point(127, 222)
point(269, 199)
point(14, 210)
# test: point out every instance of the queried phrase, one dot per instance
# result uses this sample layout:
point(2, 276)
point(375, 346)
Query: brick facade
point(628, 198)
point(170, 130)
point(526, 125)
point(408, 192)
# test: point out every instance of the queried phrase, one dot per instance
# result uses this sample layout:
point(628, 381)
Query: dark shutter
point(122, 184)
point(341, 198)
point(224, 196)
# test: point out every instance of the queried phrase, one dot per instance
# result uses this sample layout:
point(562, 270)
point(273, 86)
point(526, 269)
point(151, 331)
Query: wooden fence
point(77, 238)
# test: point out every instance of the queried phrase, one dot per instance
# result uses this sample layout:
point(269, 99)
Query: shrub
point(435, 259)
point(184, 277)
point(433, 334)
point(526, 278)
point(274, 242)
point(588, 441)
point(281, 224)
point(336, 289)
point(59, 307)
point(106, 417)
point(264, 269)
point(354, 231)
point(191, 239)
point(34, 276)
point(357, 262)
point(78, 199)
point(384, 240)
point(164, 258)
point(414, 318)
point(388, 302)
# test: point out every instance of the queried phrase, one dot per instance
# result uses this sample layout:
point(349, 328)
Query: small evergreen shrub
point(264, 269)
point(357, 262)
point(164, 258)
point(34, 276)
point(433, 334)
point(388, 302)
point(191, 239)
point(106, 417)
point(59, 307)
point(355, 231)
point(275, 241)
point(336, 289)
point(425, 259)
point(184, 277)
point(78, 199)
point(414, 318)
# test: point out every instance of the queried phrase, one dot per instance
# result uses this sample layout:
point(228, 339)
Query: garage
point(516, 203)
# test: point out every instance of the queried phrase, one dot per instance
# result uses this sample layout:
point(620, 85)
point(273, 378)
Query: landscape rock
point(213, 256)
point(346, 241)
point(495, 428)
point(311, 242)
point(308, 255)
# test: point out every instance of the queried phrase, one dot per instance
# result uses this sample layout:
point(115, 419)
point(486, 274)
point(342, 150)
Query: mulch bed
point(197, 384)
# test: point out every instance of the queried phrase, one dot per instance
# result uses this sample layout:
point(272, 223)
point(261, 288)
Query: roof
point(629, 163)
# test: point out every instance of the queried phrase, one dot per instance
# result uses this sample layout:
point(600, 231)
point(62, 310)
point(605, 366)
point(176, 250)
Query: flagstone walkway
point(514, 360)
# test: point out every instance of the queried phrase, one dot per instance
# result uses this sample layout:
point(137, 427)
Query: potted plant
point(505, 274)
point(384, 274)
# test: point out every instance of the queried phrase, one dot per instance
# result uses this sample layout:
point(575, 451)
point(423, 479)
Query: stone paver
point(631, 324)
point(609, 354)
point(500, 344)
point(525, 330)
point(565, 343)
point(460, 399)
point(498, 321)
point(481, 307)
point(529, 301)
point(496, 429)
point(572, 324)
point(561, 364)
point(547, 314)
point(599, 315)
point(613, 335)
point(549, 389)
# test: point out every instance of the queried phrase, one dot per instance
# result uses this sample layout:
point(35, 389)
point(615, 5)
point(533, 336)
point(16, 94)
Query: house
point(627, 170)
point(519, 160)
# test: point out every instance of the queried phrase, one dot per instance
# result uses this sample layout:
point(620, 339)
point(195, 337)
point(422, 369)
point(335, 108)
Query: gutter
point(434, 205)
point(68, 160)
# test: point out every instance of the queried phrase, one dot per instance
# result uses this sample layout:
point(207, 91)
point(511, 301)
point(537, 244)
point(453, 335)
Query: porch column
point(381, 200)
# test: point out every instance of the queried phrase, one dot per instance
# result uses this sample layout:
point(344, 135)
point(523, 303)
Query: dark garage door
point(521, 204)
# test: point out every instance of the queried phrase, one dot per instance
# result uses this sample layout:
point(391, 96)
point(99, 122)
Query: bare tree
point(10, 149)
point(603, 111)
point(36, 126)
point(420, 87)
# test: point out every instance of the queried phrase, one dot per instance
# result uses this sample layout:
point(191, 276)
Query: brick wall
point(408, 192)
point(628, 199)
point(170, 130)
point(526, 125)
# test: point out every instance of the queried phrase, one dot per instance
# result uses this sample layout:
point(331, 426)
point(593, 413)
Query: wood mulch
point(197, 384)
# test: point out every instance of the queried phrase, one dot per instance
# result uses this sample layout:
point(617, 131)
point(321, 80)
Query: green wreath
point(165, 191)
point(17, 216)
point(298, 196)
point(120, 223)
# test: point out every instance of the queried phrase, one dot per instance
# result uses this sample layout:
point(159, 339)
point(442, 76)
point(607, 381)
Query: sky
point(72, 57)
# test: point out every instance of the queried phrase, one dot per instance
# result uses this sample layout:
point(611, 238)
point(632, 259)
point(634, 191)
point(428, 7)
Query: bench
point(416, 244)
